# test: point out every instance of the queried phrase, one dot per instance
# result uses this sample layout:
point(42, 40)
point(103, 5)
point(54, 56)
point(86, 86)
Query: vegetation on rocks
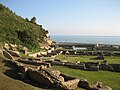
point(17, 30)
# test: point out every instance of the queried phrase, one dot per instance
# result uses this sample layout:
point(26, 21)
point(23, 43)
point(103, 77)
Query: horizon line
point(84, 35)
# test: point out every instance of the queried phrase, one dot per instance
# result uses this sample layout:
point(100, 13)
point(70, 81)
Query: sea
point(112, 40)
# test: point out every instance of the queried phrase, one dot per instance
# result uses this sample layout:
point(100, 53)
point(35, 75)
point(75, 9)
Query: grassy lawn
point(7, 83)
point(111, 79)
point(85, 58)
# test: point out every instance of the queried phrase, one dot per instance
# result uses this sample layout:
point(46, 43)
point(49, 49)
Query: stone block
point(23, 69)
point(84, 84)
point(56, 72)
point(105, 88)
point(71, 84)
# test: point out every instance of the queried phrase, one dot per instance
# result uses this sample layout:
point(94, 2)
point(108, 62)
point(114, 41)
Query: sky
point(71, 17)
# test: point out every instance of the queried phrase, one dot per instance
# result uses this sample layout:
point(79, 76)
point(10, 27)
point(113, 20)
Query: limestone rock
point(61, 79)
point(105, 88)
point(40, 78)
point(71, 84)
point(84, 84)
point(6, 46)
point(23, 69)
point(13, 47)
point(56, 72)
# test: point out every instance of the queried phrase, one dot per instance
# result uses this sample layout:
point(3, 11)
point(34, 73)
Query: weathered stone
point(64, 61)
point(106, 67)
point(6, 46)
point(84, 84)
point(13, 47)
point(94, 68)
point(67, 77)
point(43, 53)
point(105, 88)
point(89, 64)
point(71, 84)
point(40, 78)
point(24, 50)
point(34, 54)
point(48, 65)
point(99, 84)
point(116, 54)
point(43, 67)
point(23, 69)
point(56, 72)
point(78, 62)
point(61, 79)
point(8, 55)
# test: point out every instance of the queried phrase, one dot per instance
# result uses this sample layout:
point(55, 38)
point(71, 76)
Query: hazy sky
point(71, 17)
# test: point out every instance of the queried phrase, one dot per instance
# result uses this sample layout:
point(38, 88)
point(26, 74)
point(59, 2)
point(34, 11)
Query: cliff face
point(17, 30)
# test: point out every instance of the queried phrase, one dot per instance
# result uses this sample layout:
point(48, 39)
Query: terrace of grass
point(86, 58)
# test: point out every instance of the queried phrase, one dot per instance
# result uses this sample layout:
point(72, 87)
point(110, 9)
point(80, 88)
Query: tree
point(27, 19)
point(33, 20)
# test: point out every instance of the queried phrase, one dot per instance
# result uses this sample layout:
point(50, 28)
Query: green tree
point(33, 20)
point(27, 19)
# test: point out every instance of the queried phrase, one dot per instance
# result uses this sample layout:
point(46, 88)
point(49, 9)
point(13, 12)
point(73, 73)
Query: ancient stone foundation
point(54, 78)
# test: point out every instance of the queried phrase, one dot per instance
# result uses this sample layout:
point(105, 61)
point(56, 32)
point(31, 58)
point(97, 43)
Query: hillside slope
point(17, 30)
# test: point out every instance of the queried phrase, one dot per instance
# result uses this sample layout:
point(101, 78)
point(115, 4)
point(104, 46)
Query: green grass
point(111, 79)
point(7, 83)
point(85, 58)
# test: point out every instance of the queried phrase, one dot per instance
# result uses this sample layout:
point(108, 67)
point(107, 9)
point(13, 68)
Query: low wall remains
point(54, 78)
point(91, 66)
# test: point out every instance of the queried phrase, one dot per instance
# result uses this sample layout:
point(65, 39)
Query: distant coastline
point(111, 40)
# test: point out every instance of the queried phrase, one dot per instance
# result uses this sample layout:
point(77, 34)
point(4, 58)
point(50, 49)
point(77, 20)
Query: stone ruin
point(91, 66)
point(54, 78)
point(90, 53)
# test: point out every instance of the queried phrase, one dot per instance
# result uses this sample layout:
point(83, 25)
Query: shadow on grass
point(12, 71)
point(95, 59)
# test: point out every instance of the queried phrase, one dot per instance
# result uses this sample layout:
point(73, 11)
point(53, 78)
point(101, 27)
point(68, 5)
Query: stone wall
point(54, 79)
point(92, 66)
